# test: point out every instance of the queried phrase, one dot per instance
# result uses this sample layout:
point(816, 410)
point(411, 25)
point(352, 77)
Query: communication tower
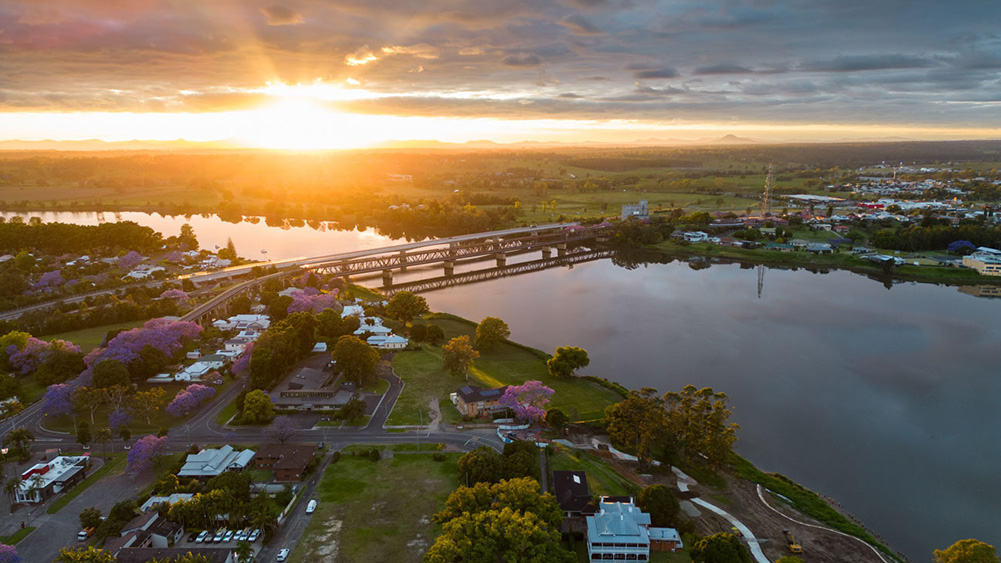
point(766, 200)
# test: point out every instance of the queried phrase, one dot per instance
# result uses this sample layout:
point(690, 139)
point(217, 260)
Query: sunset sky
point(317, 74)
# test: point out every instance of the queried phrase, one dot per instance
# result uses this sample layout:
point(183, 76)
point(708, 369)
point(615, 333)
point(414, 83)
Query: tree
point(8, 554)
point(490, 332)
point(458, 356)
point(567, 360)
point(280, 430)
point(352, 410)
point(90, 518)
point(278, 308)
point(719, 548)
point(405, 306)
point(145, 452)
point(521, 459)
point(418, 333)
point(528, 401)
point(435, 335)
point(557, 420)
point(147, 403)
point(11, 487)
point(187, 240)
point(84, 555)
point(104, 436)
point(228, 253)
point(355, 358)
point(257, 408)
point(482, 465)
point(699, 418)
point(110, 372)
point(88, 399)
point(19, 440)
point(661, 504)
point(637, 423)
point(83, 433)
point(125, 433)
point(58, 400)
point(243, 552)
point(521, 494)
point(967, 551)
point(189, 398)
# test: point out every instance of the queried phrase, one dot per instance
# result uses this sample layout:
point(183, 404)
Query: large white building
point(621, 531)
point(46, 479)
point(212, 462)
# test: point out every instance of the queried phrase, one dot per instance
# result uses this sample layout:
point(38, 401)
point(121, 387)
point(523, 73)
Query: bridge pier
point(547, 252)
point(449, 267)
point(501, 259)
point(403, 260)
point(387, 278)
point(561, 249)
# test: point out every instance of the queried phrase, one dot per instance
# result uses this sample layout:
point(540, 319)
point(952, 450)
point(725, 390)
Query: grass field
point(508, 364)
point(377, 511)
point(17, 536)
point(89, 338)
point(601, 477)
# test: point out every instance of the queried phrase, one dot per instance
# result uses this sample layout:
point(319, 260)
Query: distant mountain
point(732, 140)
point(133, 145)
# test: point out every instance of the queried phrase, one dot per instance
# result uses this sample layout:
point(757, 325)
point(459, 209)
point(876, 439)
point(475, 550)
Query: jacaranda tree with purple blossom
point(176, 294)
point(165, 335)
point(130, 260)
point(528, 401)
point(242, 364)
point(50, 279)
point(145, 451)
point(174, 257)
point(122, 416)
point(58, 399)
point(302, 301)
point(188, 399)
point(8, 554)
point(52, 362)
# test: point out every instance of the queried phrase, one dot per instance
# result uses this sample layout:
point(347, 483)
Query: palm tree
point(35, 485)
point(11, 488)
point(243, 552)
point(20, 439)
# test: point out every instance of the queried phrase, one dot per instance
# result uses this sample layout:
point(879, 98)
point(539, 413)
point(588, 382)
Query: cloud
point(855, 63)
point(666, 72)
point(723, 68)
point(522, 59)
point(421, 51)
point(41, 15)
point(362, 56)
point(280, 15)
point(578, 25)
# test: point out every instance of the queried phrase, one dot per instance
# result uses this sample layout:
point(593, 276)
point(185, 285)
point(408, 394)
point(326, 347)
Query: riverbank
point(823, 262)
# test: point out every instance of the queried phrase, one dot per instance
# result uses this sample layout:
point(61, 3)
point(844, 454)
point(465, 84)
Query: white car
point(202, 536)
point(311, 507)
point(254, 535)
point(282, 554)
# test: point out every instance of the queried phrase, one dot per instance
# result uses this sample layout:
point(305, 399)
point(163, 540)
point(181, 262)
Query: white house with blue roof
point(621, 531)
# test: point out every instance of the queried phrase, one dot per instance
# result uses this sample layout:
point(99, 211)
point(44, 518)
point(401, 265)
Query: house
point(637, 211)
point(573, 494)
point(621, 531)
point(212, 462)
point(474, 402)
point(391, 342)
point(696, 236)
point(44, 480)
point(780, 247)
point(155, 501)
point(255, 322)
point(144, 554)
point(373, 329)
point(356, 310)
point(819, 248)
point(288, 461)
point(160, 531)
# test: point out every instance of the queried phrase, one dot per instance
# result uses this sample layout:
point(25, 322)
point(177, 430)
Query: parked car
point(218, 535)
point(282, 554)
point(202, 536)
point(83, 534)
point(241, 535)
point(229, 536)
point(254, 535)
point(311, 507)
point(192, 536)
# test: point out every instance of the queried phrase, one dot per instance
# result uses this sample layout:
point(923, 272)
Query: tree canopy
point(660, 503)
point(719, 548)
point(490, 332)
point(567, 360)
point(405, 306)
point(257, 408)
point(355, 358)
point(458, 356)
point(967, 551)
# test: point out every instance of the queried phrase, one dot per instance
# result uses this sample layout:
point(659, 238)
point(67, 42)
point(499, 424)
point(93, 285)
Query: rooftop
point(215, 461)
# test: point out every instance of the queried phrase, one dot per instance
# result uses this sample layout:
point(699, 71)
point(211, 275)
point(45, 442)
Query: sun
point(295, 123)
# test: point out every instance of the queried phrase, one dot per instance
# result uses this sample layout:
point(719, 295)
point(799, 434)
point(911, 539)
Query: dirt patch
point(434, 415)
point(327, 543)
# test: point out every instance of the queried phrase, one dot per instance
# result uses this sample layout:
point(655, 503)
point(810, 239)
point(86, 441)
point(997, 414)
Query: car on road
point(282, 554)
point(254, 535)
point(84, 534)
point(202, 536)
point(311, 507)
point(229, 536)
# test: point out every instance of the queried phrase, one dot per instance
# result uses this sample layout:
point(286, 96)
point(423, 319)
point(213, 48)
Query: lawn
point(377, 511)
point(89, 338)
point(601, 477)
point(508, 364)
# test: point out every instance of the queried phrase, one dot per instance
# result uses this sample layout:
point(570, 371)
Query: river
point(887, 400)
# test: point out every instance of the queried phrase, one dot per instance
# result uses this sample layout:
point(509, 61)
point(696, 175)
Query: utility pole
point(766, 207)
point(421, 411)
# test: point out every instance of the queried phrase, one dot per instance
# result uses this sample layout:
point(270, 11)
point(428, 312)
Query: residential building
point(474, 402)
point(637, 211)
point(391, 342)
point(155, 501)
point(696, 236)
point(305, 389)
point(212, 462)
point(287, 461)
point(573, 493)
point(621, 531)
point(44, 480)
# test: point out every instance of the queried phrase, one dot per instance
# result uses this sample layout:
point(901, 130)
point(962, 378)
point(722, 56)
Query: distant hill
point(90, 145)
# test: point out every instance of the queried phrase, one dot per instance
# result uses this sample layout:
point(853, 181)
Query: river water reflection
point(887, 400)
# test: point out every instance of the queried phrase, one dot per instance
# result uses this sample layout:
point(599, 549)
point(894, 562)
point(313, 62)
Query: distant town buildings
point(637, 211)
